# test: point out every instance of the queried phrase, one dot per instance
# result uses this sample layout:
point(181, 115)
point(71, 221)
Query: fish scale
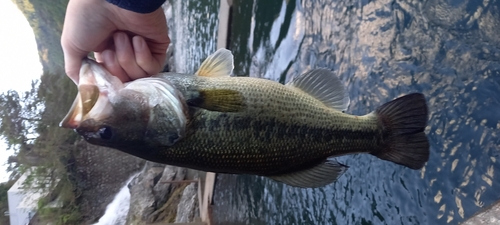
point(213, 122)
point(292, 140)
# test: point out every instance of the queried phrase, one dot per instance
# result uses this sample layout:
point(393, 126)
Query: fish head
point(125, 116)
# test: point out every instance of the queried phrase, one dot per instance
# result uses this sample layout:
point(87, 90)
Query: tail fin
point(404, 120)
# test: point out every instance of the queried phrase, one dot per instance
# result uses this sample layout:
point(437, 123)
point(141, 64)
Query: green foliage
point(19, 115)
point(19, 118)
point(56, 146)
point(11, 125)
point(30, 121)
point(4, 206)
point(46, 19)
point(68, 214)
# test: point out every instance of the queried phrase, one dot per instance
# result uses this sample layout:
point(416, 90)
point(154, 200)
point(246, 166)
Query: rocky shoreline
point(153, 198)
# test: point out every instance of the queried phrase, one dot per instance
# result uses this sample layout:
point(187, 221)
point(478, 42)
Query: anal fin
point(317, 176)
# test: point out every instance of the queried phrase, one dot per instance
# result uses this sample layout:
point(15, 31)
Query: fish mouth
point(95, 87)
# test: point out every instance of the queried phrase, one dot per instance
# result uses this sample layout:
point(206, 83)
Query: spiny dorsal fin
point(317, 176)
point(323, 85)
point(221, 100)
point(219, 64)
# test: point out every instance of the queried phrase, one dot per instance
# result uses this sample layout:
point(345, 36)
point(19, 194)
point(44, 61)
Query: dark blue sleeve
point(138, 6)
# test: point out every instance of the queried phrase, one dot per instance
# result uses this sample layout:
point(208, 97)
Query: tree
point(19, 117)
point(11, 124)
point(4, 204)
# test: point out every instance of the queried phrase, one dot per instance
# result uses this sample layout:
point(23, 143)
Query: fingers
point(144, 58)
point(109, 60)
point(85, 29)
point(130, 60)
point(90, 27)
point(119, 60)
point(127, 57)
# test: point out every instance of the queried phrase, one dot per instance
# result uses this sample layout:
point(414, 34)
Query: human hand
point(130, 45)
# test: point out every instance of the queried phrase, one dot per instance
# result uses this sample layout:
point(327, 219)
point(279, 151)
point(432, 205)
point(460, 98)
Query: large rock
point(163, 189)
point(152, 197)
point(142, 200)
point(188, 208)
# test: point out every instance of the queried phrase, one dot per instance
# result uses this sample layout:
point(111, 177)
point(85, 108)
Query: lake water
point(447, 49)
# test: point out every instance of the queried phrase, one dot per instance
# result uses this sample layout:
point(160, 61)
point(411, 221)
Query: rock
point(188, 208)
point(163, 189)
point(152, 198)
point(487, 216)
point(168, 211)
point(142, 200)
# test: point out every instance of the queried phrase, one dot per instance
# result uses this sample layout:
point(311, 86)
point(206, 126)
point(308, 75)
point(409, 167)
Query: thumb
point(72, 60)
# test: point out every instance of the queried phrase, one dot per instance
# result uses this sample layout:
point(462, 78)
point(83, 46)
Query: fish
point(216, 122)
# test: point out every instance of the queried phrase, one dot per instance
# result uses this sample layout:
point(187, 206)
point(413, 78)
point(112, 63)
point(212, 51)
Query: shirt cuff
point(138, 6)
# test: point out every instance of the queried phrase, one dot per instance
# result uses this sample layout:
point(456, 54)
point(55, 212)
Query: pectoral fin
point(219, 64)
point(317, 176)
point(221, 100)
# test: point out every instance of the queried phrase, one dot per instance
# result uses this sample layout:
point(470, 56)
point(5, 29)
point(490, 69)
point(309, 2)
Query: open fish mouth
point(95, 88)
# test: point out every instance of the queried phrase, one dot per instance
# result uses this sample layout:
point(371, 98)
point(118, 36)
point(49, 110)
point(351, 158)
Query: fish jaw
point(91, 73)
point(110, 113)
point(117, 123)
point(96, 88)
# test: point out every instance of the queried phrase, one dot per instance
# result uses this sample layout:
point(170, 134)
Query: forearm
point(138, 6)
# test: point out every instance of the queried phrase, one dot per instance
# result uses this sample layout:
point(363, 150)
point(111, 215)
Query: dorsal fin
point(219, 64)
point(323, 85)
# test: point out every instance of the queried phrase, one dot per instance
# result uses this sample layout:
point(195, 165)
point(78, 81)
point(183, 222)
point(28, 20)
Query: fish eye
point(105, 133)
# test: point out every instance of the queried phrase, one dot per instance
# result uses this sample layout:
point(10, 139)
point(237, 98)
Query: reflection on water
point(194, 30)
point(448, 50)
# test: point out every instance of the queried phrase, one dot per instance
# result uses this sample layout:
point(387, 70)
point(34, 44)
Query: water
point(193, 33)
point(447, 49)
point(116, 212)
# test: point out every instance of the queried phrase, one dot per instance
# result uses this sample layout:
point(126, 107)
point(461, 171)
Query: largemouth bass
point(213, 122)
